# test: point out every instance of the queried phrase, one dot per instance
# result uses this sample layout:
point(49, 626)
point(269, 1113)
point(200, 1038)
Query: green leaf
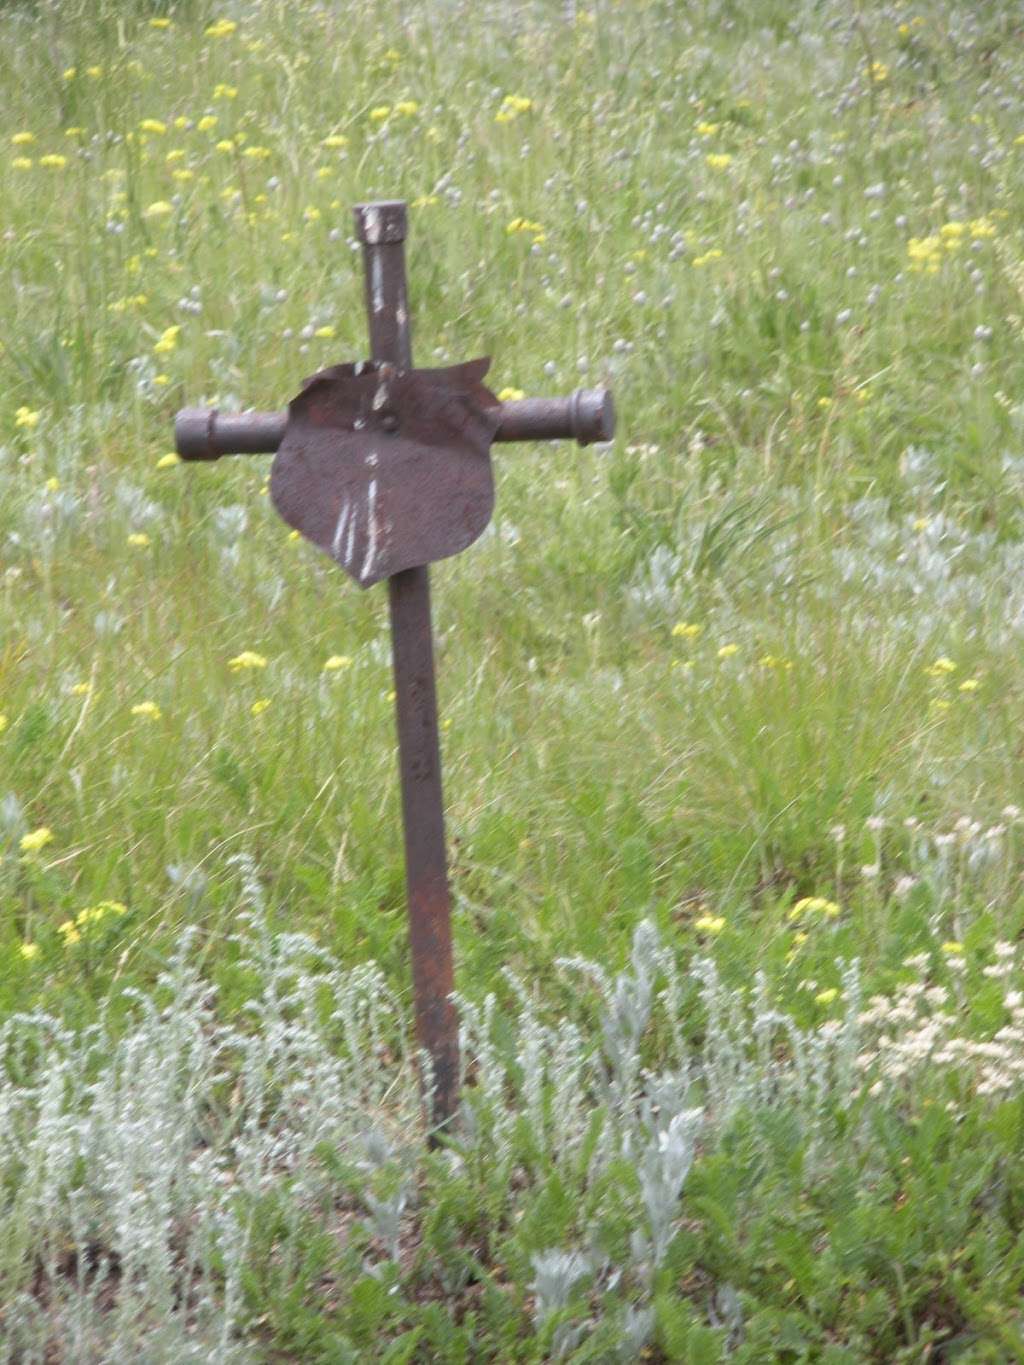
point(401, 1350)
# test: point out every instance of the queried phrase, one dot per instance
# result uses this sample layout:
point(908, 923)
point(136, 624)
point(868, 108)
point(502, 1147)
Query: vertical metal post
point(381, 228)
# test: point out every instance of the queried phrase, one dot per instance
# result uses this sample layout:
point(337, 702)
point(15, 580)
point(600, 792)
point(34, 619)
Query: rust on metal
point(387, 468)
point(381, 229)
point(586, 417)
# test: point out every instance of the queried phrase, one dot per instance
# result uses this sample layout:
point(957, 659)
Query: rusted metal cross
point(387, 468)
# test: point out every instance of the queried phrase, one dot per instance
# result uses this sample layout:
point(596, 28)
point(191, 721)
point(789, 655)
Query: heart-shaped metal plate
point(386, 469)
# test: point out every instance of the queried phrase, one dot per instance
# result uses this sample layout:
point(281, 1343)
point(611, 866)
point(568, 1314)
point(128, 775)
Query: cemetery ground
point(731, 708)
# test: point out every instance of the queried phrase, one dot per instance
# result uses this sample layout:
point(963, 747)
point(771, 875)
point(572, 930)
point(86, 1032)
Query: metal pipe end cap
point(193, 433)
point(593, 416)
point(381, 223)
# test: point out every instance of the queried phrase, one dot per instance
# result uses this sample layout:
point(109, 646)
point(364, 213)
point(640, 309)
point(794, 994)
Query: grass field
point(731, 708)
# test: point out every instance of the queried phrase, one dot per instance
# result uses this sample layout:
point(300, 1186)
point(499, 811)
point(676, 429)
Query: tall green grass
point(763, 648)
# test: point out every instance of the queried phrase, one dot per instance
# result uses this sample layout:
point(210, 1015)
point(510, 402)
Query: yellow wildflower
point(147, 710)
point(25, 417)
point(247, 659)
point(708, 129)
point(718, 161)
point(69, 73)
point(523, 225)
point(686, 630)
point(510, 395)
point(23, 139)
point(336, 663)
point(35, 840)
point(22, 163)
point(814, 905)
point(827, 996)
point(3, 722)
point(727, 651)
point(160, 22)
point(168, 340)
point(259, 706)
point(225, 92)
point(878, 71)
point(94, 72)
point(158, 209)
point(952, 948)
point(222, 28)
point(257, 153)
point(225, 146)
point(138, 539)
point(69, 932)
point(981, 227)
point(80, 689)
point(710, 924)
point(511, 107)
point(714, 254)
point(52, 485)
point(207, 123)
point(941, 667)
point(969, 685)
point(326, 332)
point(380, 113)
point(336, 140)
point(153, 125)
point(407, 107)
point(29, 951)
point(169, 460)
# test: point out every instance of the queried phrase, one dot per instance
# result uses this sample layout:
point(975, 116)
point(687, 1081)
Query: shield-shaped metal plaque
point(386, 469)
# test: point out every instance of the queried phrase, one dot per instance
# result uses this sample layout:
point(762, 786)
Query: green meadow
point(731, 706)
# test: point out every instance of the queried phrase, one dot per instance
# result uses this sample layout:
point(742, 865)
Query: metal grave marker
point(387, 468)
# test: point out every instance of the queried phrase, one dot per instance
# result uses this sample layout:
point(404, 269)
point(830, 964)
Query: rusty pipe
point(587, 416)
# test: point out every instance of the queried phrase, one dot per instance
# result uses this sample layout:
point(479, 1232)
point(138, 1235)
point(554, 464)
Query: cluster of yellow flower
point(511, 107)
point(221, 28)
point(527, 225)
point(719, 161)
point(714, 254)
point(943, 668)
point(710, 924)
point(403, 109)
point(122, 305)
point(246, 660)
point(36, 839)
point(814, 905)
point(71, 930)
point(168, 340)
point(926, 253)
